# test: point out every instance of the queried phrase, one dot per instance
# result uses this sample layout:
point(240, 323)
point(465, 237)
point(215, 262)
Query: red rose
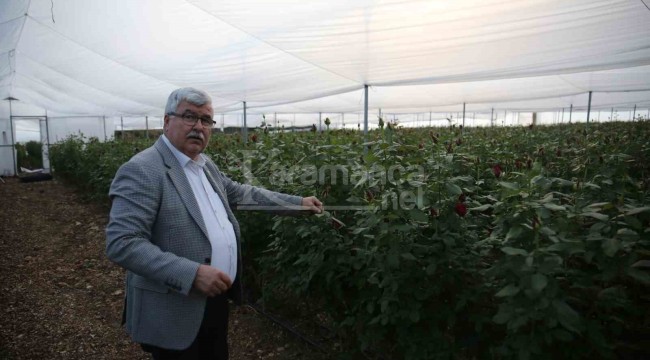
point(496, 169)
point(461, 209)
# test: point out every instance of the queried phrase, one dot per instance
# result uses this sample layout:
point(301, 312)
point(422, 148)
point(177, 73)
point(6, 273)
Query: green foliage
point(522, 243)
point(29, 155)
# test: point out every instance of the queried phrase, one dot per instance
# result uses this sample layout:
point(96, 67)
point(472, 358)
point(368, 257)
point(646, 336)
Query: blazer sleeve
point(248, 197)
point(136, 193)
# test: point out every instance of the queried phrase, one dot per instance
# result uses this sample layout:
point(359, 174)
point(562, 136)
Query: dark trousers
point(211, 343)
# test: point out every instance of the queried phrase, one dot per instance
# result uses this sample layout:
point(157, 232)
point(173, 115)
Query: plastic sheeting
point(122, 57)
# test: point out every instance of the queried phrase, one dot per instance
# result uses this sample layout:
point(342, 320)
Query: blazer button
point(208, 260)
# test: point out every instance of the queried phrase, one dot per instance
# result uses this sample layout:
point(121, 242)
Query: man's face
point(189, 139)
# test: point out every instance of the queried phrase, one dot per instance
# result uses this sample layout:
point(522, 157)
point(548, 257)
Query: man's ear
point(166, 121)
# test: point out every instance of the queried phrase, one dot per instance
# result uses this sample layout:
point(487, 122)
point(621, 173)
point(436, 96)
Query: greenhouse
point(483, 165)
point(94, 67)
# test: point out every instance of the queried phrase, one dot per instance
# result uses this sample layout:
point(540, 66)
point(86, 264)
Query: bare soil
point(61, 298)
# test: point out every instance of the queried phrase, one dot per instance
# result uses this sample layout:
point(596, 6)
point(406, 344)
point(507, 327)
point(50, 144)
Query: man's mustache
point(195, 135)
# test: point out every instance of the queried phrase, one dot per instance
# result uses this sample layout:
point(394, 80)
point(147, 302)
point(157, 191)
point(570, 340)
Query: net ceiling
point(123, 57)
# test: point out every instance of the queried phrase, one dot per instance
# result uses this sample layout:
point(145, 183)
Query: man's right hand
point(211, 281)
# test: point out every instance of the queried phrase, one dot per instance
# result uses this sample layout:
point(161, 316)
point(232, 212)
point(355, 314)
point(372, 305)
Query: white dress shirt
point(220, 231)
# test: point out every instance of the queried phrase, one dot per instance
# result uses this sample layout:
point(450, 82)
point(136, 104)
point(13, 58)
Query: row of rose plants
point(445, 242)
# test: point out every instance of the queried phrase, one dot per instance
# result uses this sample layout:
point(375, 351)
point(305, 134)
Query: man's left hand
point(312, 204)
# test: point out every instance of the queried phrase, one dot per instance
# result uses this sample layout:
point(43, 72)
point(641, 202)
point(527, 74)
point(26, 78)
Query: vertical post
point(492, 118)
point(122, 127)
point(589, 107)
point(562, 119)
point(223, 123)
point(104, 120)
point(47, 138)
point(611, 116)
point(342, 120)
point(634, 112)
point(365, 114)
point(275, 119)
point(570, 113)
point(245, 128)
point(598, 115)
point(146, 125)
point(429, 118)
point(463, 117)
point(13, 140)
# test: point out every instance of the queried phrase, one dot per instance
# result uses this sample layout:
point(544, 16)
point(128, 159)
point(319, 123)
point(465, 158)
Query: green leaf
point(509, 290)
point(640, 275)
point(418, 215)
point(481, 208)
point(514, 251)
point(431, 269)
point(393, 260)
point(642, 264)
point(408, 256)
point(637, 210)
point(509, 185)
point(568, 317)
point(453, 189)
point(538, 282)
point(514, 232)
point(611, 246)
point(554, 207)
point(414, 316)
point(502, 316)
point(595, 215)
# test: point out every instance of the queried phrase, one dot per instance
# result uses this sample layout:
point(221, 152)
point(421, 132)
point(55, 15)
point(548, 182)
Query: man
point(172, 228)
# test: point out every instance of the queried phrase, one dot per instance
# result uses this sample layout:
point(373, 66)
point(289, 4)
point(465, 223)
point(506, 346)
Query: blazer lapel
point(177, 176)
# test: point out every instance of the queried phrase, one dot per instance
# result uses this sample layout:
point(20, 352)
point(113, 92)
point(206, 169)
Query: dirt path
point(60, 298)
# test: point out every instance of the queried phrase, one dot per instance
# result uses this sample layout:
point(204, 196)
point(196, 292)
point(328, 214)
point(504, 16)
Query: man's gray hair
point(191, 95)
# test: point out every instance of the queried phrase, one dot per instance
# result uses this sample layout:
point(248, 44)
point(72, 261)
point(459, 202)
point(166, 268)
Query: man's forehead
point(184, 105)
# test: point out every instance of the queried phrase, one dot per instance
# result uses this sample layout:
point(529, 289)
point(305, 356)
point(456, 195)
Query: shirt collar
point(183, 159)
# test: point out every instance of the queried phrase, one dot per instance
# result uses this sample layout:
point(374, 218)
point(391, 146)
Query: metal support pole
point(492, 118)
point(634, 112)
point(104, 120)
point(245, 128)
point(562, 119)
point(463, 116)
point(570, 113)
point(320, 122)
point(589, 108)
point(13, 140)
point(365, 114)
point(611, 116)
point(122, 126)
point(275, 119)
point(47, 138)
point(146, 125)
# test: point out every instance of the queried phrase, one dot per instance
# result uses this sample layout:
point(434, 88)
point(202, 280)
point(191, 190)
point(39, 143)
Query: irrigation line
point(290, 328)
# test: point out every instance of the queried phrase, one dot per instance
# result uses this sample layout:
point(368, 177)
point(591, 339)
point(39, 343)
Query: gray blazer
point(157, 233)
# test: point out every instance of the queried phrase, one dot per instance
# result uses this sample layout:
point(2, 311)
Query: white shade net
point(121, 57)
